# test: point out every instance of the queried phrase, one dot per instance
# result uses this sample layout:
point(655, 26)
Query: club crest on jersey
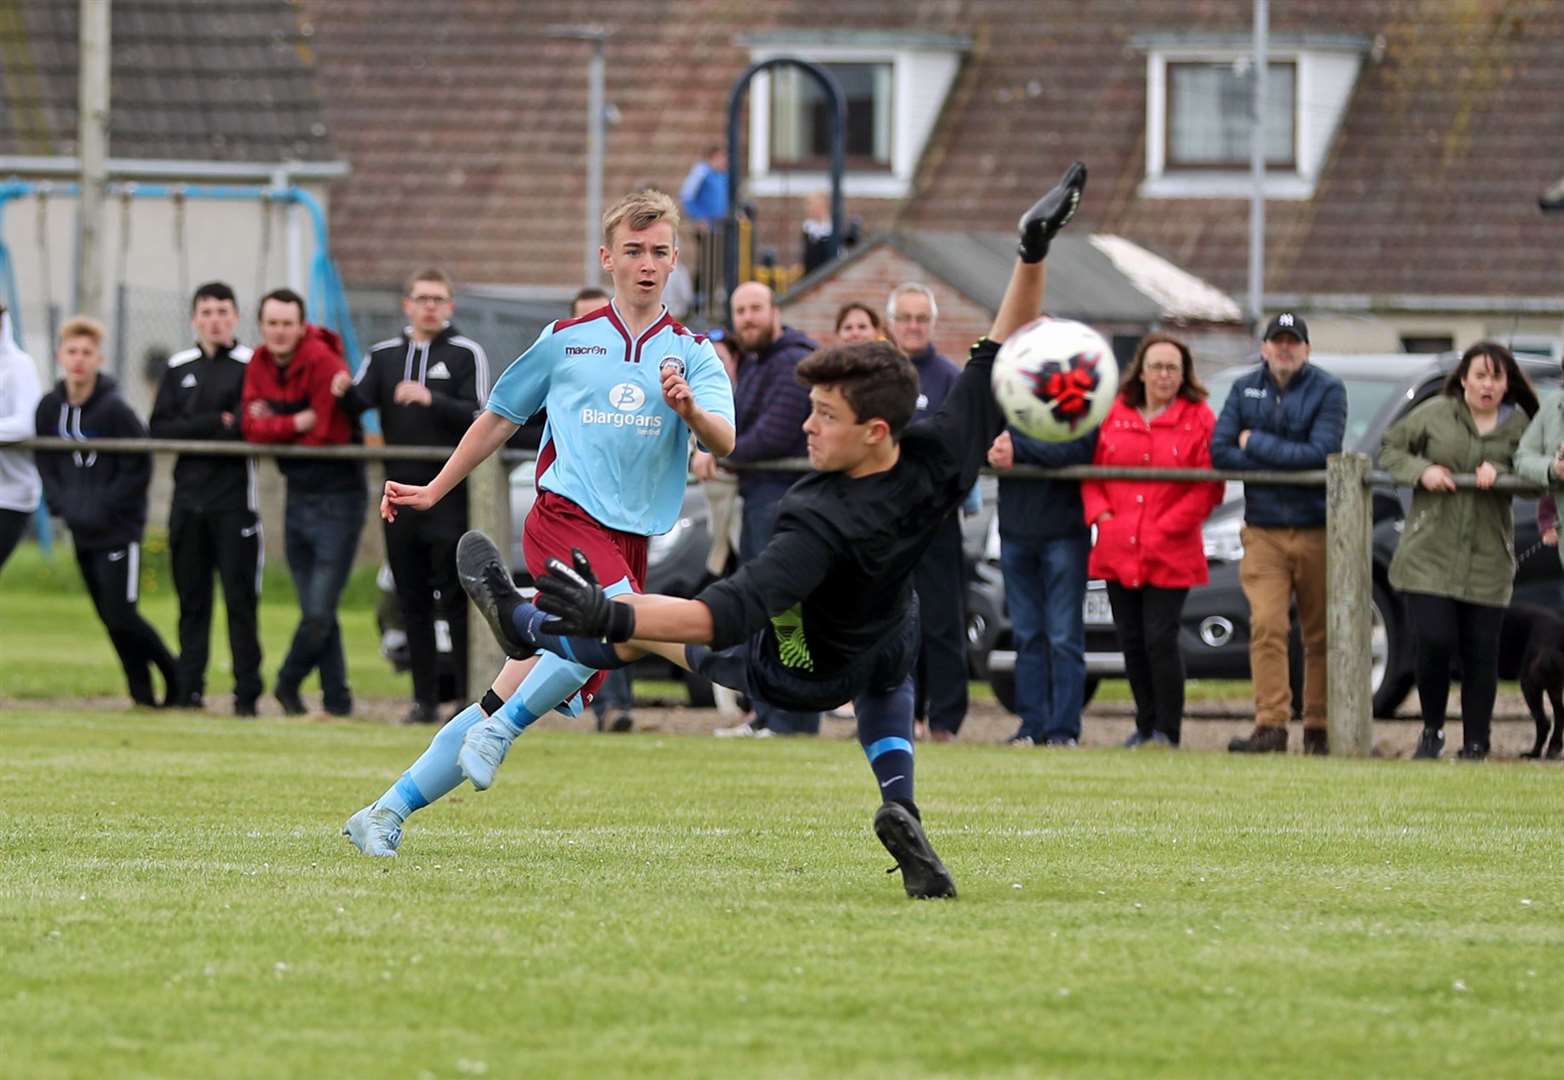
point(675, 362)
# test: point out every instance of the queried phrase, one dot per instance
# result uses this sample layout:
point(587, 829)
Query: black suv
point(1215, 631)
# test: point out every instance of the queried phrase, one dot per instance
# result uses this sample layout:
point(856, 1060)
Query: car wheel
point(1391, 673)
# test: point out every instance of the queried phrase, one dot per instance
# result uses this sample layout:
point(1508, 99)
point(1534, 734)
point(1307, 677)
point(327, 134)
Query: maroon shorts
point(555, 525)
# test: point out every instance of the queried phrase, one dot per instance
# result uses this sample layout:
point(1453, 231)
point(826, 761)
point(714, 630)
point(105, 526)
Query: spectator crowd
point(1142, 538)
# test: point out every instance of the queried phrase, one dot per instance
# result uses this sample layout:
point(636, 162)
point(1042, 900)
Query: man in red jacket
point(287, 399)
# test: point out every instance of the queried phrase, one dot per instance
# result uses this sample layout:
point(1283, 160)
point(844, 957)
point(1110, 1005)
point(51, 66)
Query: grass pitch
point(175, 900)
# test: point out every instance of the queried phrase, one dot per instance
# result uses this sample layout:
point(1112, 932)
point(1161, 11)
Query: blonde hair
point(641, 210)
point(83, 326)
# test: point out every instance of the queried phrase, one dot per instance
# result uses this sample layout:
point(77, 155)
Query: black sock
point(528, 619)
point(491, 702)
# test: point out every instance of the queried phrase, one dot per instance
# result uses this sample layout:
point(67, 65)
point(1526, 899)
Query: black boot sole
point(922, 874)
point(476, 559)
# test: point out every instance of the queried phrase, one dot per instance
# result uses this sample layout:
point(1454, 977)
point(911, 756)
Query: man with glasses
point(941, 678)
point(428, 384)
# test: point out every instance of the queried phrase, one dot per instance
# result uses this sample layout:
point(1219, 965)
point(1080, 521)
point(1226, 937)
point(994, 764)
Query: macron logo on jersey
point(627, 400)
point(585, 350)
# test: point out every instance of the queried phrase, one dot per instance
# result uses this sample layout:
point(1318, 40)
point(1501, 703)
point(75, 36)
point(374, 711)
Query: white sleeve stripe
point(184, 356)
point(480, 362)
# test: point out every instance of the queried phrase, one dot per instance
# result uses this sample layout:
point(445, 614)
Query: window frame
point(1171, 165)
point(857, 162)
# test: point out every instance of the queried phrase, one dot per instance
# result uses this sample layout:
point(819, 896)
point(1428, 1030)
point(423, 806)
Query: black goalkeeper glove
point(579, 605)
point(1050, 214)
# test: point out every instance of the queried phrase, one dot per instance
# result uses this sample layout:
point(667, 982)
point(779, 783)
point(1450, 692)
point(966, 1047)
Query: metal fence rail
point(1347, 480)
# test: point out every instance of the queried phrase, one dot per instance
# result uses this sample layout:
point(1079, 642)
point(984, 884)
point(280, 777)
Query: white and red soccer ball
point(1055, 379)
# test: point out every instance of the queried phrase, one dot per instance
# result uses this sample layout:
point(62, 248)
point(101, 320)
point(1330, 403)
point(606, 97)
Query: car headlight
point(1223, 540)
point(661, 547)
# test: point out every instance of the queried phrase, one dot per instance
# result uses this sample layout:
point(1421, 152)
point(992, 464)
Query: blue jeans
point(759, 521)
point(1045, 589)
point(321, 538)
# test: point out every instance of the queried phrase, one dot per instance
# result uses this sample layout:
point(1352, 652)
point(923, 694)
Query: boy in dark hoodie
point(288, 399)
point(103, 498)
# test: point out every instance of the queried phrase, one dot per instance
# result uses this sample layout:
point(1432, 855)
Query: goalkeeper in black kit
point(827, 613)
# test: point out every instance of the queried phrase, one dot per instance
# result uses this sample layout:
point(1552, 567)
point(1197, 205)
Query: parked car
point(1214, 635)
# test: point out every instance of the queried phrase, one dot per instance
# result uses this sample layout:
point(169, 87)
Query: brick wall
point(870, 279)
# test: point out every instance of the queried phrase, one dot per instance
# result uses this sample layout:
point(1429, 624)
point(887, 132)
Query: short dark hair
point(858, 305)
point(1517, 389)
point(432, 275)
point(875, 377)
point(214, 290)
point(285, 296)
point(1132, 391)
point(590, 292)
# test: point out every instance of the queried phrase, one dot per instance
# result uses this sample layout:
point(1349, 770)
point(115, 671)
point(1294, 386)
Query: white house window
point(801, 117)
point(895, 82)
point(1209, 109)
point(1198, 109)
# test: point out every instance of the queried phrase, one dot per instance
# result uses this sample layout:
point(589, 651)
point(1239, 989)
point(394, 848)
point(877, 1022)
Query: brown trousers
point(1279, 564)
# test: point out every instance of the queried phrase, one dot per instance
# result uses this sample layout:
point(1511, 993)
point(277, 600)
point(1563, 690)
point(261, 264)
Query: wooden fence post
point(1349, 589)
point(488, 509)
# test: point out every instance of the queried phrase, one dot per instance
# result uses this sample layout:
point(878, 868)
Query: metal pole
point(488, 509)
point(591, 270)
point(93, 139)
point(1258, 78)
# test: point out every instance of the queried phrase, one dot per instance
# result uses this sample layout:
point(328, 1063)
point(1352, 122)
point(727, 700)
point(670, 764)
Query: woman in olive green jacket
point(1456, 563)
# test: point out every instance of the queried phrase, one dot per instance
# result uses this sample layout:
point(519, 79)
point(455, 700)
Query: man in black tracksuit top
point(103, 498)
point(428, 385)
point(213, 525)
point(827, 612)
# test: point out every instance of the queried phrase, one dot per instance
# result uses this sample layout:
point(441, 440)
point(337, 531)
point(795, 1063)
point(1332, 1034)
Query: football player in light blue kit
point(624, 387)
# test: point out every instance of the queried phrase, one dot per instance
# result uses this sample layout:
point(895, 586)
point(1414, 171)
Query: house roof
point(220, 80)
point(1430, 186)
point(1103, 279)
point(469, 143)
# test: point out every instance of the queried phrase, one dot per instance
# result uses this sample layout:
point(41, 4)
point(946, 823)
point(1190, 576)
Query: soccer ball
point(1055, 379)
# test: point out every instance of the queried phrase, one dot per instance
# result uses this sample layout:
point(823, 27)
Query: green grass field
point(175, 900)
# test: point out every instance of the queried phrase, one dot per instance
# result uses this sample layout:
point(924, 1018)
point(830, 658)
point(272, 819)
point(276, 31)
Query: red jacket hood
point(318, 341)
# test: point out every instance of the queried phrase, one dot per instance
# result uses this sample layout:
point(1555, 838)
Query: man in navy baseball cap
point(1287, 323)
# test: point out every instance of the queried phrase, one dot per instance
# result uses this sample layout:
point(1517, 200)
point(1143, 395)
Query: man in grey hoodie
point(19, 484)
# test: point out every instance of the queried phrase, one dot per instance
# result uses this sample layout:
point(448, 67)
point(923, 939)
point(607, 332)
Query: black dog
point(1531, 649)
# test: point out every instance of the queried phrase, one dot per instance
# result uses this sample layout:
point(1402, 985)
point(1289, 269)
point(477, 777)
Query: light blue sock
point(552, 681)
point(435, 773)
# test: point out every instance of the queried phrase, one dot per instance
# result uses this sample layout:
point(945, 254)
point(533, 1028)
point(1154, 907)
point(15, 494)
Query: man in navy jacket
point(1287, 414)
point(771, 408)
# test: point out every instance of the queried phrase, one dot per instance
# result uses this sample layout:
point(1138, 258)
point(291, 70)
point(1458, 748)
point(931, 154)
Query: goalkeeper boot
point(922, 874)
point(374, 830)
point(484, 577)
point(483, 750)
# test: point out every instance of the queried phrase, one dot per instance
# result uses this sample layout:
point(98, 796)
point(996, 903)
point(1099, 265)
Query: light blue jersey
point(612, 445)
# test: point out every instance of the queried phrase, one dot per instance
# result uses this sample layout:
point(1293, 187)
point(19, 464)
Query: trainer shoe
point(1137, 739)
point(483, 575)
point(922, 874)
point(747, 729)
point(420, 713)
point(1021, 742)
point(1264, 739)
point(1430, 744)
point(1473, 752)
point(1061, 742)
point(483, 750)
point(289, 699)
point(1316, 741)
point(374, 831)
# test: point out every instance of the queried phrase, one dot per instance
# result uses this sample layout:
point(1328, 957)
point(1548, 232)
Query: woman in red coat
point(1148, 547)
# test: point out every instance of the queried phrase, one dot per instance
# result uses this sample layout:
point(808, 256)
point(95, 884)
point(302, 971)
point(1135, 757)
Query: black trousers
point(228, 543)
point(1449, 630)
point(113, 577)
point(13, 526)
point(421, 548)
point(1146, 620)
point(941, 678)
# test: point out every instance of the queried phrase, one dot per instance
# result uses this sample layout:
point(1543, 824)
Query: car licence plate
point(1097, 611)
